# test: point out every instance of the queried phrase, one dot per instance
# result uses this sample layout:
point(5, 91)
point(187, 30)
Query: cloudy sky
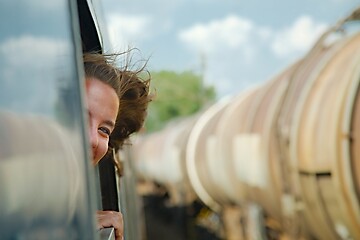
point(234, 43)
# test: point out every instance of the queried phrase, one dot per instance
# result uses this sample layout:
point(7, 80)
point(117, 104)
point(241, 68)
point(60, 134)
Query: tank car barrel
point(288, 148)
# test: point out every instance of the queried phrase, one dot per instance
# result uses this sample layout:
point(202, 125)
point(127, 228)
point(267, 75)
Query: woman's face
point(102, 106)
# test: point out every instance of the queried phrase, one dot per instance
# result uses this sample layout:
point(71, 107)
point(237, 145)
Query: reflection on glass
point(43, 187)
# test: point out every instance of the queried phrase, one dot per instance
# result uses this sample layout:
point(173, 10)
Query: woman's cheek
point(101, 150)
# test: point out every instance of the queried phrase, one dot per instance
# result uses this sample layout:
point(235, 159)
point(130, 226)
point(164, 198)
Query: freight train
point(278, 161)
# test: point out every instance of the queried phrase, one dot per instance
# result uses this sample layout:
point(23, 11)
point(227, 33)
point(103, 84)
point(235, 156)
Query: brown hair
point(131, 88)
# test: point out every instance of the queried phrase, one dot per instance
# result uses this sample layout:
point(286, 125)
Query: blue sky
point(236, 44)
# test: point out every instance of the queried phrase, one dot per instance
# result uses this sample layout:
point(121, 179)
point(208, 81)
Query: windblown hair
point(131, 88)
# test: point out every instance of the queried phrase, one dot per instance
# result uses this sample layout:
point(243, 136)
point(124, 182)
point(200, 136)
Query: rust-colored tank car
point(290, 147)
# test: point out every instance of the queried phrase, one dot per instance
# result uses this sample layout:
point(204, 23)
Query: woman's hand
point(111, 219)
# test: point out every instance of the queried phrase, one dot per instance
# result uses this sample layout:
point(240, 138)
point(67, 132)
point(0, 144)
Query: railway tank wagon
point(289, 147)
point(315, 129)
point(160, 158)
point(249, 145)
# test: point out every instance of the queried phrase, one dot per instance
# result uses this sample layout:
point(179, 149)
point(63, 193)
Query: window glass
point(44, 176)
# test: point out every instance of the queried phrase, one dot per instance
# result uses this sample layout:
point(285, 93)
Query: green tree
point(177, 95)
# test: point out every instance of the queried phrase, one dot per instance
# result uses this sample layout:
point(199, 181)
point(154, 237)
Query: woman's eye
point(105, 130)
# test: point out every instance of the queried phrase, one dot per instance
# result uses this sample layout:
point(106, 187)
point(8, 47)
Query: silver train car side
point(283, 157)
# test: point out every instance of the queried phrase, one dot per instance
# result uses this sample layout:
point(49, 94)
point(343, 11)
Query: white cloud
point(230, 32)
point(37, 5)
point(230, 45)
point(298, 38)
point(22, 51)
point(236, 35)
point(228, 36)
point(25, 56)
point(125, 30)
point(45, 4)
point(240, 43)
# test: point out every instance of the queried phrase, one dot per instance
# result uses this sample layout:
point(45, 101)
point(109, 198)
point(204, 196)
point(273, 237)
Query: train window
point(46, 185)
point(92, 41)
